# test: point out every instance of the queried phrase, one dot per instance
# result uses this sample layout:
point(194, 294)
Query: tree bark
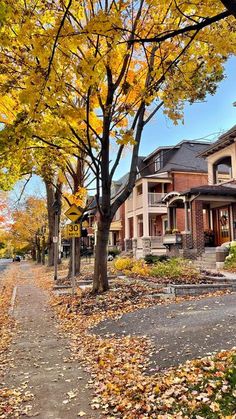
point(230, 6)
point(100, 281)
point(50, 200)
point(38, 250)
point(53, 194)
point(43, 250)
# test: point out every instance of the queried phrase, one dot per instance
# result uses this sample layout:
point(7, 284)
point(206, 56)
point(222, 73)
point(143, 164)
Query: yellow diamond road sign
point(73, 213)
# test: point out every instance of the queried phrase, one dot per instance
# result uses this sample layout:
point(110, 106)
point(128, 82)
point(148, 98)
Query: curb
point(13, 299)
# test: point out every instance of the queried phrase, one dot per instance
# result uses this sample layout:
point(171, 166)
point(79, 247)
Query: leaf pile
point(6, 321)
point(12, 400)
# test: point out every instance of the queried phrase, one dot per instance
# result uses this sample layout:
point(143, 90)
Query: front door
point(223, 225)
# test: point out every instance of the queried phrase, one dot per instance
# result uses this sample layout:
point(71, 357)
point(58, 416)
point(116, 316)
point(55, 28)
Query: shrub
point(122, 264)
point(230, 260)
point(151, 259)
point(174, 268)
point(132, 267)
point(114, 252)
point(140, 269)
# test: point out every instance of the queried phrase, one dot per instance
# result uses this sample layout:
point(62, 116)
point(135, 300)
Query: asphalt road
point(183, 331)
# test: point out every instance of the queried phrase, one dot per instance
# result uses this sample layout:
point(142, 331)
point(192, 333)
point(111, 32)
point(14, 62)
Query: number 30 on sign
point(73, 230)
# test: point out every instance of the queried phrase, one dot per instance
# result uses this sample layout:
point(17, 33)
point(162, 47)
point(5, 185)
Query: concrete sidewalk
point(41, 358)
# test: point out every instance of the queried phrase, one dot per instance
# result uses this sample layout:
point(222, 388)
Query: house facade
point(165, 172)
point(210, 209)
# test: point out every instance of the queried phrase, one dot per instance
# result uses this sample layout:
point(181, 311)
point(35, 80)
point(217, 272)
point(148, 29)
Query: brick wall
point(184, 181)
point(198, 226)
point(180, 219)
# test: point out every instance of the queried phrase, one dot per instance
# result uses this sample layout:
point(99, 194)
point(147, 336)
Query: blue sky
point(201, 120)
point(213, 116)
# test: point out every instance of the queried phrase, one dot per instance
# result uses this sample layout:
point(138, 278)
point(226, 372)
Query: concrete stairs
point(207, 260)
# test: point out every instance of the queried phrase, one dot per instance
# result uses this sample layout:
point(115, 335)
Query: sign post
point(73, 230)
point(73, 266)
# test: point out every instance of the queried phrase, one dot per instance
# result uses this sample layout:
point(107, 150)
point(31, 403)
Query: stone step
point(198, 289)
point(208, 257)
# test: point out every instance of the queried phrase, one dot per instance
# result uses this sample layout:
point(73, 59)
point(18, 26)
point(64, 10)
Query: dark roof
point(157, 151)
point(143, 168)
point(186, 158)
point(225, 139)
point(227, 189)
point(118, 185)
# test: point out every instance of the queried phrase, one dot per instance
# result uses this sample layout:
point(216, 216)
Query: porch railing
point(154, 199)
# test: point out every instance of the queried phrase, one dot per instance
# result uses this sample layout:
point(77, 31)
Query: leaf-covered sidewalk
point(54, 386)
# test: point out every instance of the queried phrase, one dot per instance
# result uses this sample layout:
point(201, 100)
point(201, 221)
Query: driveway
point(182, 331)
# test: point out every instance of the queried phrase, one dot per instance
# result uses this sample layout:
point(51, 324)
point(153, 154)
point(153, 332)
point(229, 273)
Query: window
point(140, 189)
point(222, 170)
point(158, 162)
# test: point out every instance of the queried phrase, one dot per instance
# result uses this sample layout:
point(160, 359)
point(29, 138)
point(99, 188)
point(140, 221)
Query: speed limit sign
point(73, 230)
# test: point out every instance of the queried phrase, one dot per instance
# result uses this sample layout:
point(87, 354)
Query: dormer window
point(222, 170)
point(158, 162)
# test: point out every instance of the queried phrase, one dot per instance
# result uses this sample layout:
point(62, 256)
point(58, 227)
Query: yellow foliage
point(132, 266)
point(140, 269)
point(122, 264)
point(78, 198)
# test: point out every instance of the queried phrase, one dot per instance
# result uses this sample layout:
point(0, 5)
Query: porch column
point(168, 217)
point(135, 226)
point(127, 232)
point(174, 216)
point(234, 221)
point(198, 226)
point(186, 221)
point(145, 209)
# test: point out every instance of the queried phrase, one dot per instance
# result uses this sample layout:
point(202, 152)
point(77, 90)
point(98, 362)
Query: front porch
point(209, 219)
point(144, 233)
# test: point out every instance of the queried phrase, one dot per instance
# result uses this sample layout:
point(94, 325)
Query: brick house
point(117, 228)
point(209, 209)
point(166, 172)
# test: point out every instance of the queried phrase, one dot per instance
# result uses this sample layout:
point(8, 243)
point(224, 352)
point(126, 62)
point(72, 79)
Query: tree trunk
point(51, 219)
point(53, 194)
point(100, 280)
point(38, 250)
point(43, 250)
point(33, 253)
point(77, 258)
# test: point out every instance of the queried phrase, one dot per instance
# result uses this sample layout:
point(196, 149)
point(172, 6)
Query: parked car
point(16, 258)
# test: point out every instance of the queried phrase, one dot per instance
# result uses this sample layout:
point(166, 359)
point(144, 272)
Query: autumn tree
point(84, 64)
point(28, 149)
point(26, 227)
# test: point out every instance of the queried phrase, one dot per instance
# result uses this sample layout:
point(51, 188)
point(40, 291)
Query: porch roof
point(228, 189)
point(224, 140)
